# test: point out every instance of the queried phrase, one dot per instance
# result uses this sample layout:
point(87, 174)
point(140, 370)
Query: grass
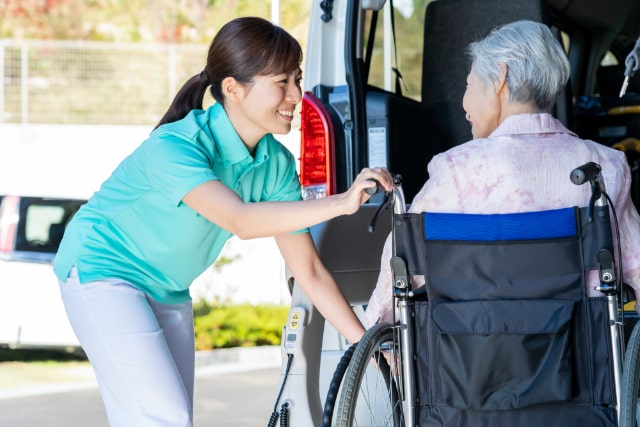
point(20, 368)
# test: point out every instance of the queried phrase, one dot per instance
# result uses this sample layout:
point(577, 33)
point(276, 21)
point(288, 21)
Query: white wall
point(72, 161)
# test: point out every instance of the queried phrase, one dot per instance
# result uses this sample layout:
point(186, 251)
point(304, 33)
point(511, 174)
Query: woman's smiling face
point(269, 103)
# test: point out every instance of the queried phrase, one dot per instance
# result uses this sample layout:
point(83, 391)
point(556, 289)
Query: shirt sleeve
point(629, 230)
point(175, 166)
point(287, 187)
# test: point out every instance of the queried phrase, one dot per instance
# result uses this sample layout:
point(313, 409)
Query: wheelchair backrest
point(508, 333)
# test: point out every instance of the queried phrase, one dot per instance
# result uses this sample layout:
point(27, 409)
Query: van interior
point(427, 106)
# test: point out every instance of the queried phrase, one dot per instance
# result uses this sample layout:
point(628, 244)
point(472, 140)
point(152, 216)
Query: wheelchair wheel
point(369, 396)
point(630, 393)
point(334, 386)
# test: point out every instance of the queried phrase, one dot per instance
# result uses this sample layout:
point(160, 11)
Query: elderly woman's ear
point(501, 83)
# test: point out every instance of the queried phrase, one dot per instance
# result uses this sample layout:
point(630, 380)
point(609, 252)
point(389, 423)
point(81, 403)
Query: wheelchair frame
point(369, 379)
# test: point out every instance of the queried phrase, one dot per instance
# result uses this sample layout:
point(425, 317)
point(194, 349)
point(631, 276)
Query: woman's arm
point(223, 207)
point(317, 283)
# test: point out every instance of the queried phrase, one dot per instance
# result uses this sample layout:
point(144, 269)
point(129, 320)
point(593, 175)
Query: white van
point(31, 310)
point(383, 84)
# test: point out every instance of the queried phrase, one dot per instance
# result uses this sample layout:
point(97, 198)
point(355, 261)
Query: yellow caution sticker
point(294, 320)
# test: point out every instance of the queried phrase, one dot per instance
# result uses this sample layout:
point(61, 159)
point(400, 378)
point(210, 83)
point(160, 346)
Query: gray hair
point(537, 65)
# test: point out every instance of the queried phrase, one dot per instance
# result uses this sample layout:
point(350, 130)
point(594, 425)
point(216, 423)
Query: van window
point(38, 221)
point(42, 223)
point(408, 47)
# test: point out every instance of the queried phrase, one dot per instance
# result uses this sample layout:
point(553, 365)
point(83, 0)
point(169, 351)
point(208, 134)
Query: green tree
point(175, 21)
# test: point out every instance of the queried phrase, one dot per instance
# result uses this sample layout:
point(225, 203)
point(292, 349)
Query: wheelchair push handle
point(587, 172)
point(375, 189)
point(591, 172)
point(395, 197)
point(606, 267)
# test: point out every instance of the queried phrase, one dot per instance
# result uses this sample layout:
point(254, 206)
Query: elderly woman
point(521, 157)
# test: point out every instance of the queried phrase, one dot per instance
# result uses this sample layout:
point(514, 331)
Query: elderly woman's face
point(482, 105)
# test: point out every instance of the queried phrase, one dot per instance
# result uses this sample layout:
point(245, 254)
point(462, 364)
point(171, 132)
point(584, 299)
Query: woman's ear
point(231, 89)
point(501, 83)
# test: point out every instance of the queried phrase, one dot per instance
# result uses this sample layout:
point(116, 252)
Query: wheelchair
point(504, 333)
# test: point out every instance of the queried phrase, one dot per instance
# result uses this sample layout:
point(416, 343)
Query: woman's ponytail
point(243, 48)
point(188, 98)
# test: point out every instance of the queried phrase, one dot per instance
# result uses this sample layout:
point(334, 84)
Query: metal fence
point(67, 82)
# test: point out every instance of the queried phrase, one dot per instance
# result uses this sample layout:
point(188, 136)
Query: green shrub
point(245, 325)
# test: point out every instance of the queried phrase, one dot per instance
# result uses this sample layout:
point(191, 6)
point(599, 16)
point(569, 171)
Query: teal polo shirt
point(136, 227)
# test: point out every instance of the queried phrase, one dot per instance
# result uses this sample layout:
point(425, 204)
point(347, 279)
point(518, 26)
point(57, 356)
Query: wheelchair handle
point(399, 204)
point(587, 172)
point(373, 190)
point(395, 196)
point(591, 172)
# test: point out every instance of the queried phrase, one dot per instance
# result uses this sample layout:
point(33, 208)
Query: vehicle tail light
point(316, 149)
point(8, 223)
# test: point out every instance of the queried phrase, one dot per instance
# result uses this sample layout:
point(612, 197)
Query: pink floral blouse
point(524, 165)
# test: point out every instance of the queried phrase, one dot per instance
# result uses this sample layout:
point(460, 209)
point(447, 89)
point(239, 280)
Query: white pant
point(141, 351)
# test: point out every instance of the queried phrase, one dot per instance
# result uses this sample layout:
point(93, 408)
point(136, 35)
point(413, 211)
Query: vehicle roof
point(616, 18)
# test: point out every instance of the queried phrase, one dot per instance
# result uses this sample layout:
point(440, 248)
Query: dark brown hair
point(243, 48)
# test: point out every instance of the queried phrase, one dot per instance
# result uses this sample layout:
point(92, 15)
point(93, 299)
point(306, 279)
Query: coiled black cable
point(284, 412)
point(284, 415)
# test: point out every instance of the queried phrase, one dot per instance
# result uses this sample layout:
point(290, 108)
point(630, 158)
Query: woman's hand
point(367, 178)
